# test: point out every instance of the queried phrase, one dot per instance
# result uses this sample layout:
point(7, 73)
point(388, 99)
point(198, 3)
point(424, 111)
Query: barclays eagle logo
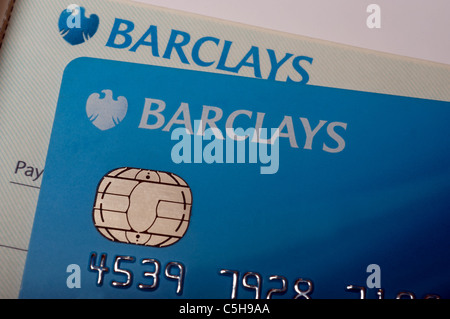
point(74, 27)
point(105, 112)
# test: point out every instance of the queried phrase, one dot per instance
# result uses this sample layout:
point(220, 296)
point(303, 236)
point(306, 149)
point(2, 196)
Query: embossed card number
point(154, 270)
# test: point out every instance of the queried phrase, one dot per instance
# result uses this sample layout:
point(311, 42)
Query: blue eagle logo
point(75, 27)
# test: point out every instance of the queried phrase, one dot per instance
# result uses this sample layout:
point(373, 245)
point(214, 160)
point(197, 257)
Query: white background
point(414, 28)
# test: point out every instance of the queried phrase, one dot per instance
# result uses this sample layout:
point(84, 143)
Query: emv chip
point(142, 207)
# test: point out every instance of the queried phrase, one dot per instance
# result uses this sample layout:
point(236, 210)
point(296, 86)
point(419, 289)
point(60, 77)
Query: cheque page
point(138, 138)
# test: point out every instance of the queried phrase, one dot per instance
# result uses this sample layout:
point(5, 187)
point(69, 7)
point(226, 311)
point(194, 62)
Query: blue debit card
point(168, 183)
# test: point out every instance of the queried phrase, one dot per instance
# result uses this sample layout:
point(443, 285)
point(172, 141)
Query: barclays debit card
point(168, 183)
point(197, 158)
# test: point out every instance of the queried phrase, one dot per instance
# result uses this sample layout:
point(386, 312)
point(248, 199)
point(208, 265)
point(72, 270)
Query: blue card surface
point(146, 195)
